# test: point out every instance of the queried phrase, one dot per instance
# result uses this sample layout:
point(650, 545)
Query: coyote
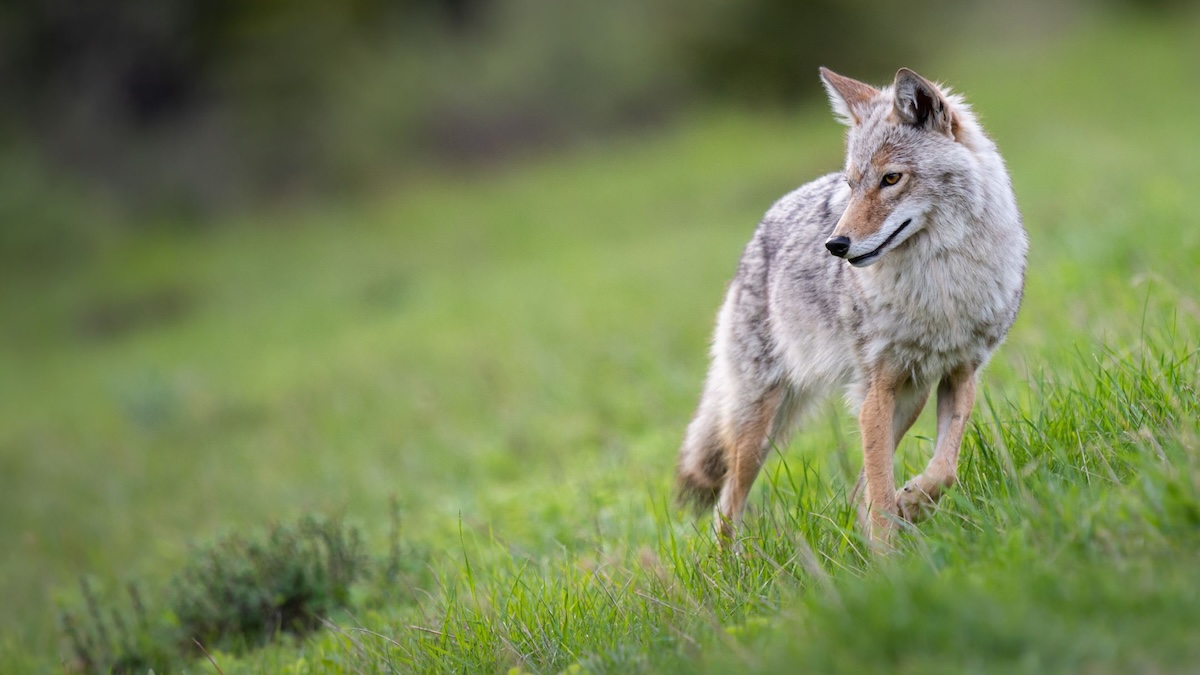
point(903, 271)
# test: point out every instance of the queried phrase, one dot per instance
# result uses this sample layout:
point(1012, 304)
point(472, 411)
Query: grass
point(514, 358)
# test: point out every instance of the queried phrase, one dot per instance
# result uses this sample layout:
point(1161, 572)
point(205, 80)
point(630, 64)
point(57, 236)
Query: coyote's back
point(901, 272)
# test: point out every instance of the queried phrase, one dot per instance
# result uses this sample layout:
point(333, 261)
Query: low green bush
point(238, 592)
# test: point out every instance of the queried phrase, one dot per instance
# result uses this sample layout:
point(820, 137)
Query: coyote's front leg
point(956, 398)
point(879, 444)
point(910, 400)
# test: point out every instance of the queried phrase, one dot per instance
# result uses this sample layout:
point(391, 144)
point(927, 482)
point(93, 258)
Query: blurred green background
point(258, 258)
point(131, 116)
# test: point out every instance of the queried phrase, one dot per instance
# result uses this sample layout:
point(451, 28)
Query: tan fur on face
point(862, 218)
point(870, 203)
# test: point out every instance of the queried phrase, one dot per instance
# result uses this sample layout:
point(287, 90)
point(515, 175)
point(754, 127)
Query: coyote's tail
point(702, 464)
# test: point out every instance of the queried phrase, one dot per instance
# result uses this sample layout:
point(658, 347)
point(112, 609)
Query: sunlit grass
point(1067, 545)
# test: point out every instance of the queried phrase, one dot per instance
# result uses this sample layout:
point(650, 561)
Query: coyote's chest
point(933, 316)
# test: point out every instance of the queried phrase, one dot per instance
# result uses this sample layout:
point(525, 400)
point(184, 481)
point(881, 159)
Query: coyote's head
point(904, 156)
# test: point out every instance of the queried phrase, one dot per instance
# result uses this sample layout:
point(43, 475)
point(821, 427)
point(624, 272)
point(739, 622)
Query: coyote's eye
point(889, 179)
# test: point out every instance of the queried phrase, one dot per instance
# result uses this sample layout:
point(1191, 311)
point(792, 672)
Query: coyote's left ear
point(919, 103)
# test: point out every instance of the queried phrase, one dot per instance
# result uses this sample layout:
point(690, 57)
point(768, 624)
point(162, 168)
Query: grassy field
point(514, 357)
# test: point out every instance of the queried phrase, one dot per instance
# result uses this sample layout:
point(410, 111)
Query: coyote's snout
point(924, 281)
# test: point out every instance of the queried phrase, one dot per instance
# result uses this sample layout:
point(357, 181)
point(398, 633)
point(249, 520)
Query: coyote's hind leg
point(746, 445)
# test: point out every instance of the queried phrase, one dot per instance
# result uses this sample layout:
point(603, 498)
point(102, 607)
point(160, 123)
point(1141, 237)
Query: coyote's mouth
point(874, 254)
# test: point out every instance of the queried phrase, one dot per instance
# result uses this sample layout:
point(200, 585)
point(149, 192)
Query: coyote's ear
point(919, 103)
point(850, 98)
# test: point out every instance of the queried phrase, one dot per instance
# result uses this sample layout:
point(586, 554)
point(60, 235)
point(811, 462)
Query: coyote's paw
point(918, 499)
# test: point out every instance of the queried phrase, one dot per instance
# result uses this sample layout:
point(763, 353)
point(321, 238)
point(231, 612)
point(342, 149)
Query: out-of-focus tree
point(770, 49)
point(195, 99)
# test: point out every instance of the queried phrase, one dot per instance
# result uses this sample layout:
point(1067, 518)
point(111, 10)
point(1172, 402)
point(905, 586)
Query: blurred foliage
point(769, 49)
point(109, 638)
point(168, 96)
point(182, 109)
point(126, 91)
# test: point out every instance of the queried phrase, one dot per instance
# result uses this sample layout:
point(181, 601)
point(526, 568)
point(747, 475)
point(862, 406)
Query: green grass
point(514, 358)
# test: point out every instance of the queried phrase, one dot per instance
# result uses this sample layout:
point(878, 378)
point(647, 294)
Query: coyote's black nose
point(838, 246)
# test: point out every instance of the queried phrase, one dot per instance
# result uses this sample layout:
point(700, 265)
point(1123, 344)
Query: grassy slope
point(515, 359)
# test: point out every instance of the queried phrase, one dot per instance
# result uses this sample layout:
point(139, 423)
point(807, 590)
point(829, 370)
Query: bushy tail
point(702, 464)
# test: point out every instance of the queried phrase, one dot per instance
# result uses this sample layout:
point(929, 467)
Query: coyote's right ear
point(850, 98)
